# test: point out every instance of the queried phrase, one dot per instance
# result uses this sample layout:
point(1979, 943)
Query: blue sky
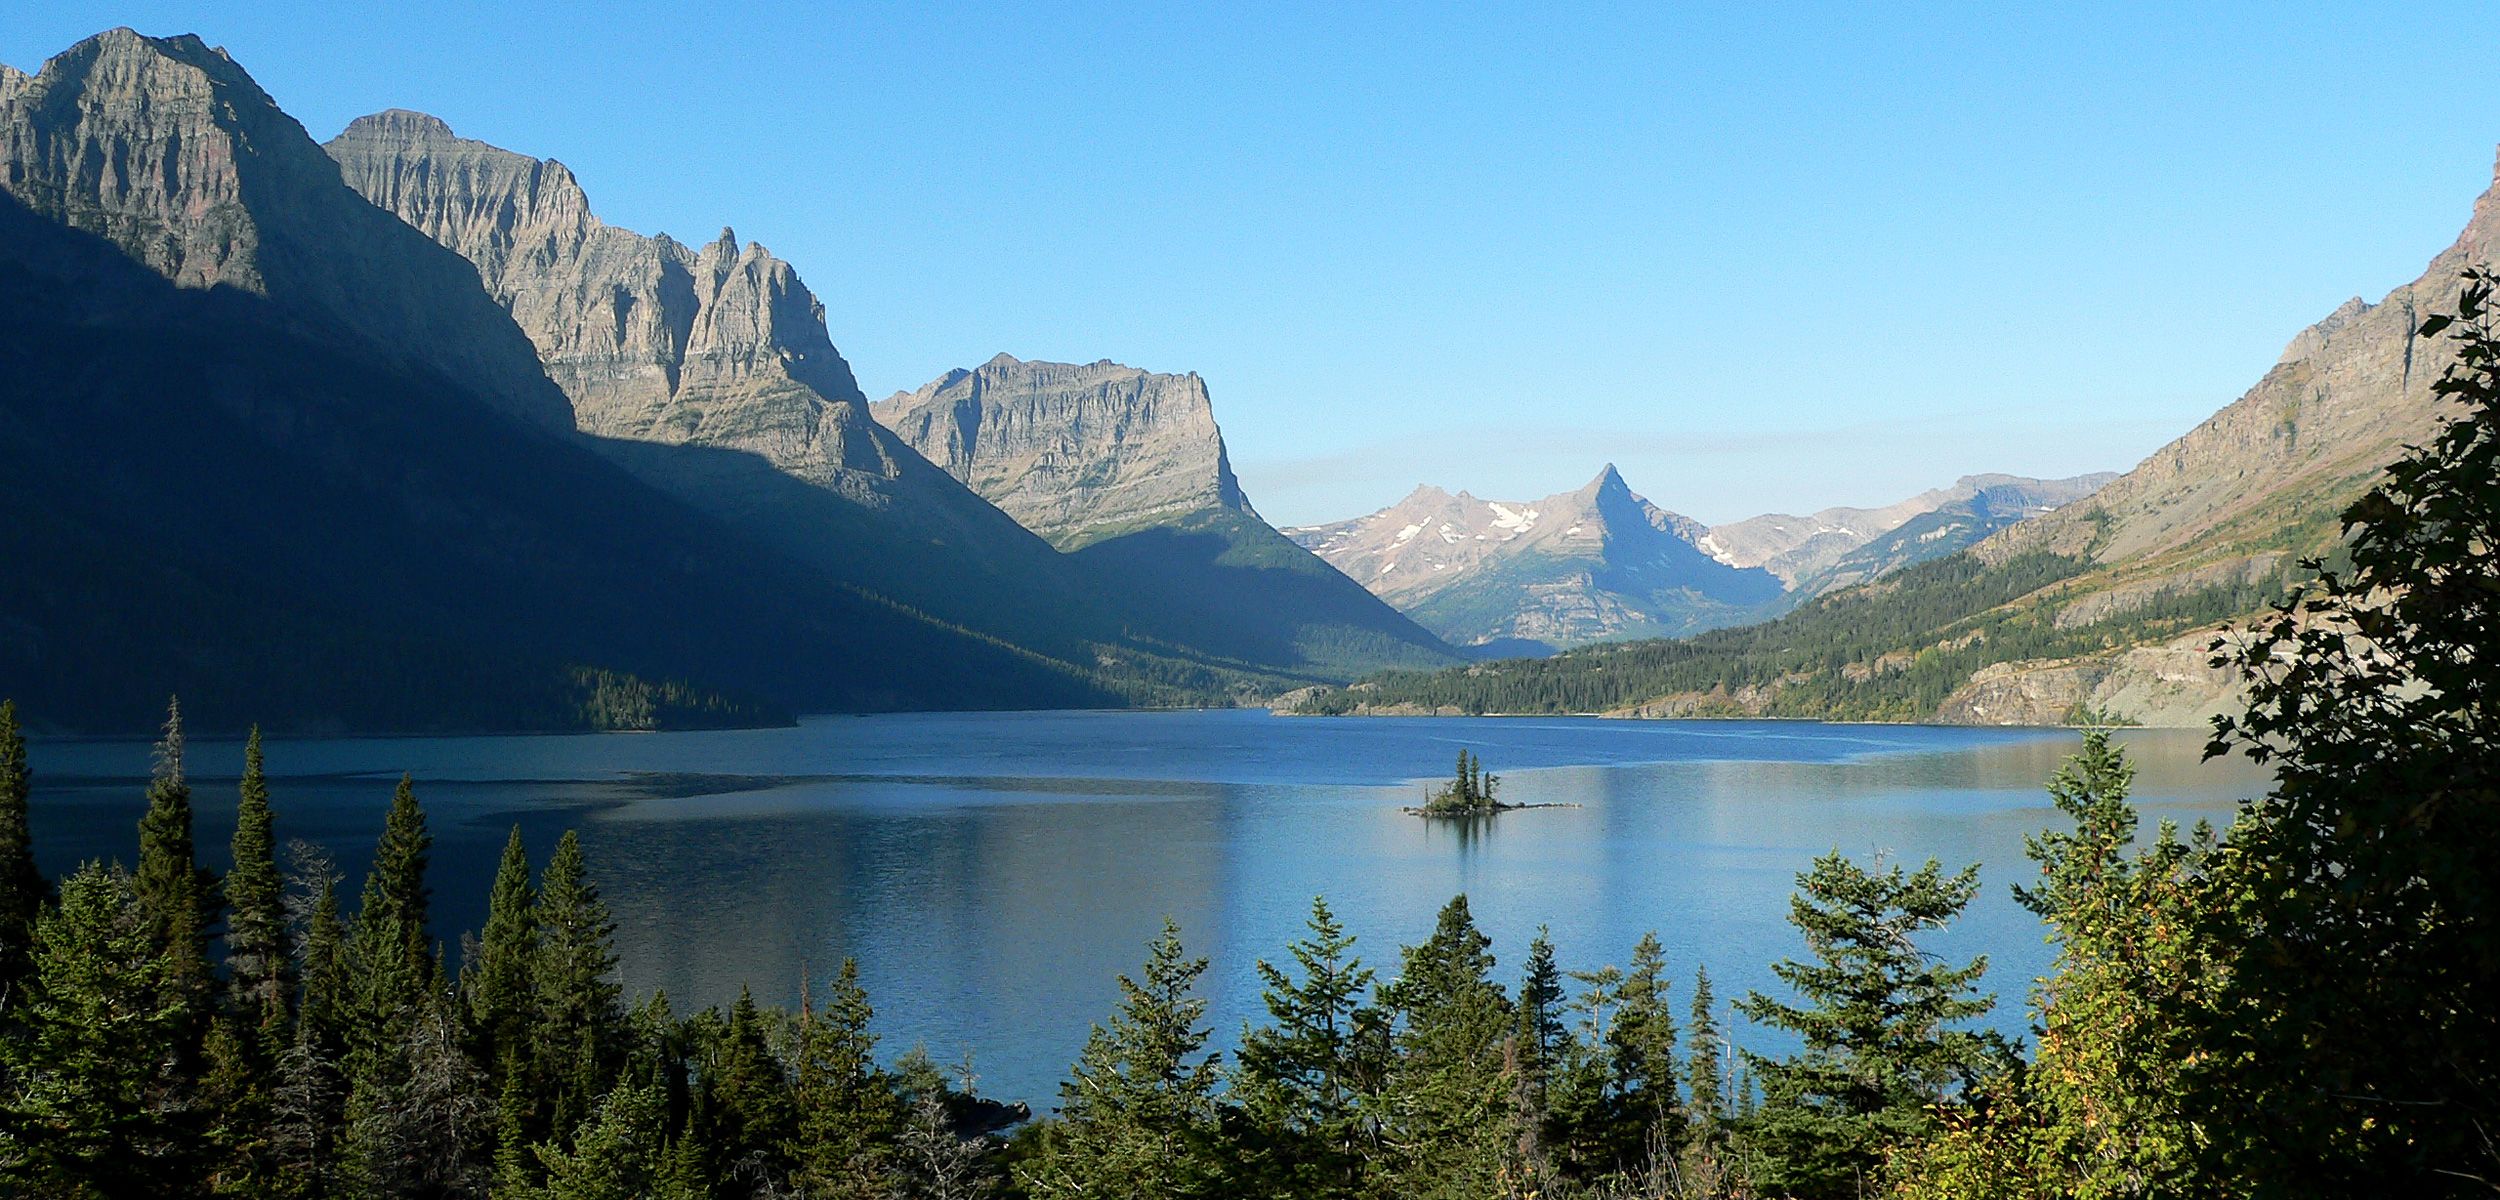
point(1762, 257)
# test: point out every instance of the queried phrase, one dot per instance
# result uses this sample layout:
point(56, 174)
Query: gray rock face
point(650, 339)
point(1593, 564)
point(1073, 452)
point(169, 150)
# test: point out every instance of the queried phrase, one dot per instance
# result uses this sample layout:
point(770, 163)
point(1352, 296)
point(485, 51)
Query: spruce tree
point(396, 895)
point(1880, 1047)
point(498, 982)
point(1301, 1080)
point(1705, 1084)
point(172, 889)
point(578, 1041)
point(96, 1108)
point(846, 1117)
point(259, 962)
point(1448, 1087)
point(1138, 1111)
point(22, 889)
point(623, 1152)
point(743, 1096)
point(1643, 1046)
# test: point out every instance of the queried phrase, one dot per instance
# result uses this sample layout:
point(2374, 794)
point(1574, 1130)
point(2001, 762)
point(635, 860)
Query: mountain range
point(396, 434)
point(1604, 563)
point(2101, 609)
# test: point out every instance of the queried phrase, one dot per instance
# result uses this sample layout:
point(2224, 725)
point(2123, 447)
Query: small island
point(1470, 793)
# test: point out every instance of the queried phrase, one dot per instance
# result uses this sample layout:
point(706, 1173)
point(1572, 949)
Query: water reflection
point(993, 874)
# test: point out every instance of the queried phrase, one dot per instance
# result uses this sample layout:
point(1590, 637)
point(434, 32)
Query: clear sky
point(1762, 257)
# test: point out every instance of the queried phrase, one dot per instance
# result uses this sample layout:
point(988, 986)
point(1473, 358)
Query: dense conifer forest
point(2301, 1005)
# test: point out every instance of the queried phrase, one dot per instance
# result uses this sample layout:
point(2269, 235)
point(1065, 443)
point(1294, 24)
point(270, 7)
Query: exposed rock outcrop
point(1840, 546)
point(1073, 452)
point(2164, 684)
point(169, 150)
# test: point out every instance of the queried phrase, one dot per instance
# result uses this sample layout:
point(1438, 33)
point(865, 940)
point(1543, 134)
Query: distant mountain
point(1841, 546)
point(1532, 576)
point(2101, 608)
point(1603, 563)
point(1127, 470)
point(273, 449)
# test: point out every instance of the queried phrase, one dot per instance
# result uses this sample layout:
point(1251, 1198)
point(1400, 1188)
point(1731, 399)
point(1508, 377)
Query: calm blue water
point(994, 873)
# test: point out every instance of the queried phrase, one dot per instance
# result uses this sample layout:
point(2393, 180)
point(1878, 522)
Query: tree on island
point(1468, 793)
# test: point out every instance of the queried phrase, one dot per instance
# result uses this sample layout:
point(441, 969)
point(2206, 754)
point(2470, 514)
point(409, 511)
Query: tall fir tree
point(623, 1152)
point(1447, 1100)
point(846, 1116)
point(1302, 1079)
point(22, 887)
point(172, 889)
point(260, 963)
point(743, 1096)
point(497, 984)
point(1705, 1081)
point(1138, 1113)
point(1642, 1042)
point(1879, 1042)
point(578, 1042)
point(96, 1107)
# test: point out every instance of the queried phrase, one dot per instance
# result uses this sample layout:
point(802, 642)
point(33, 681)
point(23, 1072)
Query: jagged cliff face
point(1597, 563)
point(650, 339)
point(1073, 452)
point(169, 150)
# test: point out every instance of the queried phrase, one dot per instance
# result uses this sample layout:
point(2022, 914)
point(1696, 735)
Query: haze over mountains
point(1604, 563)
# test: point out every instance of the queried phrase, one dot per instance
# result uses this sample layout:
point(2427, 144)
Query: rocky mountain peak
point(1073, 451)
point(214, 186)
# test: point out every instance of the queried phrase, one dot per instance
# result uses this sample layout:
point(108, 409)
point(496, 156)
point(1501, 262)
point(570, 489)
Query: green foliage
point(2362, 923)
point(1447, 1111)
point(1302, 1081)
point(622, 1153)
point(95, 1108)
point(172, 889)
point(1138, 1113)
point(580, 1009)
point(22, 887)
point(847, 1115)
point(1890, 650)
point(1469, 793)
point(1880, 1047)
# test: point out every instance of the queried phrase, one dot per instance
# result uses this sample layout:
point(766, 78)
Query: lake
point(993, 873)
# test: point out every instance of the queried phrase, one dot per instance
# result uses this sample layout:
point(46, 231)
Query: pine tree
point(622, 1152)
point(846, 1115)
point(1879, 1043)
point(743, 1097)
point(579, 1037)
point(1138, 1112)
point(1705, 1084)
point(259, 962)
point(1300, 1080)
point(22, 888)
point(1446, 1103)
point(95, 1108)
point(497, 981)
point(172, 889)
point(1643, 1046)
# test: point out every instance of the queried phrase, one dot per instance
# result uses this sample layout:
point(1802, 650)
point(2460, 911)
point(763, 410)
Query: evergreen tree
point(847, 1117)
point(1705, 1085)
point(623, 1152)
point(1446, 1106)
point(396, 897)
point(497, 980)
point(322, 1004)
point(259, 962)
point(580, 1010)
point(95, 1108)
point(172, 889)
point(22, 888)
point(743, 1097)
point(1877, 1027)
point(1643, 1045)
point(1138, 1112)
point(1300, 1080)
